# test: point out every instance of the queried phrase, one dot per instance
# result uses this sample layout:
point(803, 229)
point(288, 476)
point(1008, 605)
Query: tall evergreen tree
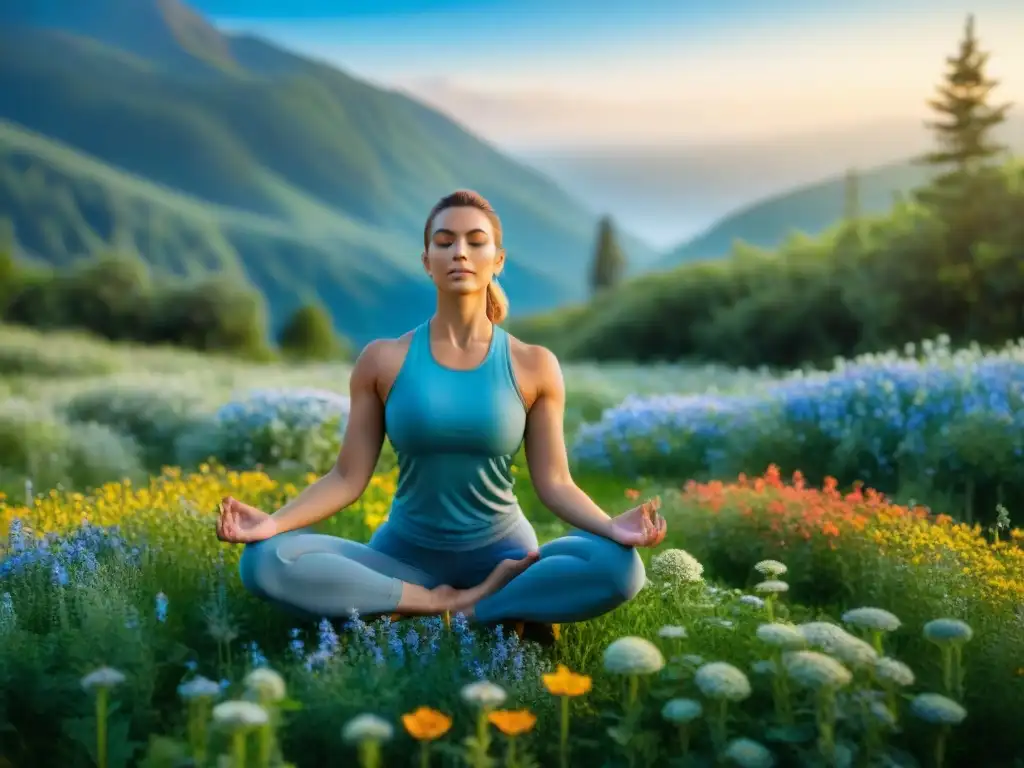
point(965, 121)
point(609, 261)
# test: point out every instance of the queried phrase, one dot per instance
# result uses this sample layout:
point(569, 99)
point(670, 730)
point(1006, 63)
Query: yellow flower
point(563, 682)
point(512, 722)
point(426, 724)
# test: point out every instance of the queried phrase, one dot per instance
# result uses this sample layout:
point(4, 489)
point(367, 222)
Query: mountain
point(673, 193)
point(810, 209)
point(136, 121)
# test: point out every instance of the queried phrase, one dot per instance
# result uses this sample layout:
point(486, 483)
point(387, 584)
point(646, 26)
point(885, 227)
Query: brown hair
point(497, 301)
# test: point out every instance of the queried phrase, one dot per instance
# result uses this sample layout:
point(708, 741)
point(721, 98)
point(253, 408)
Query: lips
point(460, 272)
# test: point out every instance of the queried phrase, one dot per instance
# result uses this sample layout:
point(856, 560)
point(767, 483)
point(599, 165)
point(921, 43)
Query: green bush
point(309, 335)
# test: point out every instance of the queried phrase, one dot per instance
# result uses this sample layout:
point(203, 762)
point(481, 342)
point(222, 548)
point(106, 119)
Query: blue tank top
point(455, 433)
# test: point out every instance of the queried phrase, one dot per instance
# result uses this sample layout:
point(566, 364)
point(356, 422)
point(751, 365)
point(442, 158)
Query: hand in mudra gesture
point(640, 526)
point(239, 523)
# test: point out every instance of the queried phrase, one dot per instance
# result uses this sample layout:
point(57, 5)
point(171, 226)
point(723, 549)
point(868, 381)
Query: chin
point(463, 286)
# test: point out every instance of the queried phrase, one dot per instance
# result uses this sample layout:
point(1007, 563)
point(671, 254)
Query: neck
point(462, 320)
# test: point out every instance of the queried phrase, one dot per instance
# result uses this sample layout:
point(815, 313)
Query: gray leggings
point(578, 577)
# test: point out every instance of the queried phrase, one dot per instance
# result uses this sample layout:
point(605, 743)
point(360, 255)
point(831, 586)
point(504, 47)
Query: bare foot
point(463, 600)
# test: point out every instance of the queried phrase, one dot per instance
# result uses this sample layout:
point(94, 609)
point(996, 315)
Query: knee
point(620, 568)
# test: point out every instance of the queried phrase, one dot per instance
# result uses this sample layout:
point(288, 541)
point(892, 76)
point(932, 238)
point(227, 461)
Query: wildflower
point(671, 632)
point(748, 753)
point(937, 709)
point(952, 631)
point(876, 619)
point(772, 587)
point(484, 694)
point(771, 569)
point(893, 672)
point(199, 688)
point(676, 566)
point(633, 656)
point(782, 636)
point(822, 634)
point(854, 652)
point(950, 635)
point(763, 667)
point(681, 710)
point(367, 732)
point(239, 715)
point(752, 601)
point(814, 670)
point(267, 684)
point(426, 724)
point(563, 682)
point(512, 722)
point(681, 713)
point(722, 681)
point(102, 678)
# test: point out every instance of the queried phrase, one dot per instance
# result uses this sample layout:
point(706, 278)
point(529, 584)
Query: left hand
point(640, 526)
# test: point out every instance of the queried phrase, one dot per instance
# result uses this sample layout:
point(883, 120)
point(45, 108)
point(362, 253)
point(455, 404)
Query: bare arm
point(547, 457)
point(360, 449)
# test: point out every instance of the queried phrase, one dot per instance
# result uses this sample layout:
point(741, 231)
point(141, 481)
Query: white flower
point(882, 714)
point(199, 688)
point(633, 656)
point(266, 683)
point(937, 709)
point(748, 753)
point(720, 680)
point(853, 652)
point(235, 715)
point(772, 587)
point(771, 569)
point(811, 669)
point(367, 728)
point(671, 632)
point(894, 672)
point(953, 631)
point(783, 636)
point(822, 634)
point(763, 667)
point(875, 619)
point(104, 677)
point(676, 566)
point(484, 693)
point(753, 601)
point(681, 710)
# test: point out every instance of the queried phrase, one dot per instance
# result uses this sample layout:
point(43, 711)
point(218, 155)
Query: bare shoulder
point(537, 369)
point(379, 363)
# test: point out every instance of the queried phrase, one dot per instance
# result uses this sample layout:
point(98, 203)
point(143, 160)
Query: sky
point(541, 74)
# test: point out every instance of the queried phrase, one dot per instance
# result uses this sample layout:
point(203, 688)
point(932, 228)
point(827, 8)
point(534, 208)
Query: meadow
point(794, 616)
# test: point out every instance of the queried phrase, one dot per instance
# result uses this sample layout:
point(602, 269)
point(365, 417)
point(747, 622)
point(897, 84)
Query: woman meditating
point(457, 397)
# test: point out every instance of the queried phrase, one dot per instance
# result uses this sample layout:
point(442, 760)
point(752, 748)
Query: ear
point(499, 262)
point(424, 262)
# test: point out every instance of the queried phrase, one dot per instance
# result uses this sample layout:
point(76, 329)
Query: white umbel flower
point(771, 569)
point(948, 631)
point(238, 715)
point(937, 709)
point(810, 669)
point(772, 587)
point(721, 680)
point(633, 656)
point(104, 677)
point(894, 672)
point(484, 693)
point(747, 753)
point(672, 632)
point(782, 636)
point(681, 711)
point(367, 727)
point(676, 566)
point(853, 652)
point(873, 619)
point(199, 688)
point(266, 683)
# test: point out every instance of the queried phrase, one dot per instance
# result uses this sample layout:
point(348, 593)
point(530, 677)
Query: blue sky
point(545, 72)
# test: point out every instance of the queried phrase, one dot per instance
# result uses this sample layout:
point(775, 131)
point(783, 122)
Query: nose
point(459, 249)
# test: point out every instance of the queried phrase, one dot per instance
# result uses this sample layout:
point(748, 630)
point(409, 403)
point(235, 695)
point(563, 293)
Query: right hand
point(240, 523)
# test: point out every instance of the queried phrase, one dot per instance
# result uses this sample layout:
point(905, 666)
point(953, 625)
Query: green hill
point(810, 209)
point(309, 182)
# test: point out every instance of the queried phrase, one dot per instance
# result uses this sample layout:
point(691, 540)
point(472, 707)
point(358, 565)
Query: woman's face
point(462, 256)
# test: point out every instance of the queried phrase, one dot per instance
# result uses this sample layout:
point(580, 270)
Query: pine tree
point(609, 260)
point(963, 130)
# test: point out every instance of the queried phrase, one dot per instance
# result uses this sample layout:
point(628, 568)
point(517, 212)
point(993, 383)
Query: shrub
point(309, 335)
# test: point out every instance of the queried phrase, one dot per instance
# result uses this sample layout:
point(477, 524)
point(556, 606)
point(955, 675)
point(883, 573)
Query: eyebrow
point(449, 232)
